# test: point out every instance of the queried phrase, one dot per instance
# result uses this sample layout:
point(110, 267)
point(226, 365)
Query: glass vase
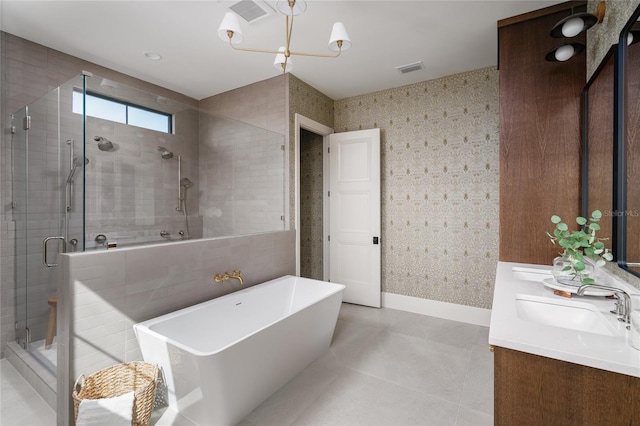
point(563, 274)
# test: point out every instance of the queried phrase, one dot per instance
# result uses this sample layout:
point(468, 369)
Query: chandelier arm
point(247, 49)
point(317, 55)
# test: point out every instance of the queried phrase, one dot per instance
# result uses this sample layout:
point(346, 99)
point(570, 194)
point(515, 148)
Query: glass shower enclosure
point(85, 181)
point(47, 211)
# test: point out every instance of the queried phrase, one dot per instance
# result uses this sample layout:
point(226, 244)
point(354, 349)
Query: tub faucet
point(223, 277)
point(237, 275)
point(623, 304)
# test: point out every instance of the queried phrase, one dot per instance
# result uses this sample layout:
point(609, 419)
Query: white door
point(354, 214)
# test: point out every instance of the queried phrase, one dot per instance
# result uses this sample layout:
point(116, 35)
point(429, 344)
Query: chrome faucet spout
point(623, 305)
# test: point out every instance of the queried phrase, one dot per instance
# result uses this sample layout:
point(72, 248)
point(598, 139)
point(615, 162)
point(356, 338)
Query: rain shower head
point(103, 144)
point(186, 183)
point(165, 153)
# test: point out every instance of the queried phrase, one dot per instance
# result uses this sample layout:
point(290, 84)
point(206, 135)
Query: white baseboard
point(434, 308)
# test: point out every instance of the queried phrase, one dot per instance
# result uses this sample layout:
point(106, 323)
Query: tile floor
point(20, 404)
point(385, 367)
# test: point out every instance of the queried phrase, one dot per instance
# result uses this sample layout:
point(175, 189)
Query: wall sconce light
point(571, 26)
point(577, 23)
point(339, 40)
point(634, 34)
point(564, 52)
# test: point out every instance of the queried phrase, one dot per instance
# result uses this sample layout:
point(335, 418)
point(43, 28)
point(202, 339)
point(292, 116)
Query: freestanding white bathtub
point(223, 357)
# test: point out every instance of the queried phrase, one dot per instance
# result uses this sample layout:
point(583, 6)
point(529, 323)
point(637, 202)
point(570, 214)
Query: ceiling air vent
point(252, 10)
point(410, 67)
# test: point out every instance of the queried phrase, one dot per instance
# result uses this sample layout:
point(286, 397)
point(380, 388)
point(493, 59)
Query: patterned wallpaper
point(311, 205)
point(440, 183)
point(313, 104)
point(602, 36)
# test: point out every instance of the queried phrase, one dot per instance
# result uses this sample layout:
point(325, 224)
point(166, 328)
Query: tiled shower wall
point(242, 177)
point(270, 104)
point(29, 72)
point(236, 169)
point(131, 192)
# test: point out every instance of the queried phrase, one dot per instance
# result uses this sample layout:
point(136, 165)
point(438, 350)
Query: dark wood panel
point(541, 12)
point(534, 390)
point(600, 146)
point(539, 139)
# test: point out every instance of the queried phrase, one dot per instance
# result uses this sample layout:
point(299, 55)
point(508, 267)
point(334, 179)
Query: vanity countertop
point(508, 330)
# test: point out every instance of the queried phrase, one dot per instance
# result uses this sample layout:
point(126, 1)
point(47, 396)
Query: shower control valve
point(101, 239)
point(221, 277)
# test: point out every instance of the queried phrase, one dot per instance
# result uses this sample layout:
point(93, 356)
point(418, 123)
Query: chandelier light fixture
point(230, 31)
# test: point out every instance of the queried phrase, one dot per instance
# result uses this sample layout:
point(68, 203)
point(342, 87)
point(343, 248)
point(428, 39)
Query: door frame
point(302, 122)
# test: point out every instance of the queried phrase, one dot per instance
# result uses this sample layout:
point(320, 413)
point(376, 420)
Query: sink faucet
point(623, 305)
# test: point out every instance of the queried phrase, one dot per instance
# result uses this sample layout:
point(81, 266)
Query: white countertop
point(507, 330)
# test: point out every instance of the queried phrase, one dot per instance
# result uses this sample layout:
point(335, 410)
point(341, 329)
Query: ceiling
point(449, 37)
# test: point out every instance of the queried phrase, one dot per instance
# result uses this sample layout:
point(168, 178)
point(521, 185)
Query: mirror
point(597, 154)
point(630, 138)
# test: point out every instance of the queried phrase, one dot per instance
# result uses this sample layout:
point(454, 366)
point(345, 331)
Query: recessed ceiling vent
point(410, 67)
point(252, 10)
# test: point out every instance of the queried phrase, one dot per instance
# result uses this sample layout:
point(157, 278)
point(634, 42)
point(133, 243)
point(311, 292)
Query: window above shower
point(111, 109)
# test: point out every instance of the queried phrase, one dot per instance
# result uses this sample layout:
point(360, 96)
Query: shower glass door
point(43, 135)
point(19, 171)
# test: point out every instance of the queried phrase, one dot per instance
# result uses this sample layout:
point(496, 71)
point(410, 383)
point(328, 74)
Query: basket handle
point(77, 386)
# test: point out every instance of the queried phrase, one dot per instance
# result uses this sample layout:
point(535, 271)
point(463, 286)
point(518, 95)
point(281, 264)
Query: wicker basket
point(110, 382)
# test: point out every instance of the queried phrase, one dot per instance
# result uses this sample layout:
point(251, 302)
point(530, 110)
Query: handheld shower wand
point(185, 183)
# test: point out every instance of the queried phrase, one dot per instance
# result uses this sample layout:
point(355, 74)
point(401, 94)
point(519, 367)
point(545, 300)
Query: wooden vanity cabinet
point(535, 390)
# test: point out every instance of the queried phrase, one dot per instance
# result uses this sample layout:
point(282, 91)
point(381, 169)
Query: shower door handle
point(44, 250)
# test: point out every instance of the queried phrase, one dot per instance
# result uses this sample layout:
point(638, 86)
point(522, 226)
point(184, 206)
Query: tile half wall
point(103, 293)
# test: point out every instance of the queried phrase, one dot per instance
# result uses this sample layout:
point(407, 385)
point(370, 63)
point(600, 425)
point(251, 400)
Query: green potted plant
point(570, 265)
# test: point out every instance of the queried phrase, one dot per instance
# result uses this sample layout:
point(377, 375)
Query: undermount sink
point(530, 274)
point(577, 316)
